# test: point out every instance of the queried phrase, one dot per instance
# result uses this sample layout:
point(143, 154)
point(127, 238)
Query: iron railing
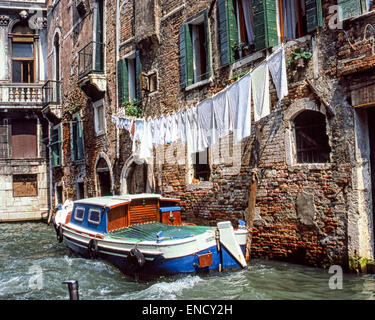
point(51, 93)
point(91, 59)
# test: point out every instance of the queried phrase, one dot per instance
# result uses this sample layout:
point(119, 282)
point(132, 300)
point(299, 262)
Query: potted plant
point(245, 49)
point(236, 50)
point(132, 108)
point(298, 58)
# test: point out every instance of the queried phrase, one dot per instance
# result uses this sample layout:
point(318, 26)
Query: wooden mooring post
point(250, 211)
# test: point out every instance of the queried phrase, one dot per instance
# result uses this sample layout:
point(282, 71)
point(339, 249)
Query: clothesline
point(227, 111)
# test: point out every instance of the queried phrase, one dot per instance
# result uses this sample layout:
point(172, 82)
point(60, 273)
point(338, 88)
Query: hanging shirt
point(233, 100)
point(221, 115)
point(168, 129)
point(260, 90)
point(145, 149)
point(192, 130)
point(138, 132)
point(205, 123)
point(162, 130)
point(174, 128)
point(277, 67)
point(242, 113)
point(181, 126)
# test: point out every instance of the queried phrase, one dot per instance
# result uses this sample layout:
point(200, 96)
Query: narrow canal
point(33, 266)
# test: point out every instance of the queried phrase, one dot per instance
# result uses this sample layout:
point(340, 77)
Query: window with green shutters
point(76, 138)
point(265, 24)
point(273, 21)
point(314, 17)
point(195, 60)
point(128, 78)
point(352, 8)
point(56, 146)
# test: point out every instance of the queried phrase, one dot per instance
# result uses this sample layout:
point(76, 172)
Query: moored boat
point(143, 235)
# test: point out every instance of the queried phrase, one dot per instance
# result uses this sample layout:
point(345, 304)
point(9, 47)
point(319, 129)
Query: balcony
point(91, 76)
point(52, 100)
point(21, 95)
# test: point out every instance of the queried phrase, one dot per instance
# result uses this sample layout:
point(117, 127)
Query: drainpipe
point(50, 172)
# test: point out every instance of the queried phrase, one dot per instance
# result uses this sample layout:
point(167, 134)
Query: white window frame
point(75, 213)
point(89, 216)
point(96, 105)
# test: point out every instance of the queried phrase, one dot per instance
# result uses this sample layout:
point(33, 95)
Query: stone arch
point(103, 175)
point(294, 110)
point(132, 168)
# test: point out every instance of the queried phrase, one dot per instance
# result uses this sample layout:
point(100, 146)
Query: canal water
point(33, 266)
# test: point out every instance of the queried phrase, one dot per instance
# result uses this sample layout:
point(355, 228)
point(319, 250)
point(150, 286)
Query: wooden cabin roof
point(113, 201)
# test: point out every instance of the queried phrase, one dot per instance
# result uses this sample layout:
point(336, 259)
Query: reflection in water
point(30, 255)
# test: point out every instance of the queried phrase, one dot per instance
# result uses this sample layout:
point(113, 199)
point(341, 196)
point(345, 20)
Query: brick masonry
point(304, 212)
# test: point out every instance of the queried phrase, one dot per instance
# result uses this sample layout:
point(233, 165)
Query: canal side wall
point(311, 213)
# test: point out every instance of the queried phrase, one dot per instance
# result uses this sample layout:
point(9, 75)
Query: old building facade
point(311, 157)
point(23, 129)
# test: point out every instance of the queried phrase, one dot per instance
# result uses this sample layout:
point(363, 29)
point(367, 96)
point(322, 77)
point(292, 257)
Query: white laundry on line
point(260, 91)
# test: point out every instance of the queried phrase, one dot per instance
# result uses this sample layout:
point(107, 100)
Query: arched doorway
point(104, 181)
point(137, 178)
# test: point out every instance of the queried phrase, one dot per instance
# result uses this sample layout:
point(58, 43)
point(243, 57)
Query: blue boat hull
point(158, 265)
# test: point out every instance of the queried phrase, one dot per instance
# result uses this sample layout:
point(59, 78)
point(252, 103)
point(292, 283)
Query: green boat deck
point(149, 231)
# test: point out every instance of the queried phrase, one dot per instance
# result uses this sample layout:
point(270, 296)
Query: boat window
point(94, 216)
point(79, 214)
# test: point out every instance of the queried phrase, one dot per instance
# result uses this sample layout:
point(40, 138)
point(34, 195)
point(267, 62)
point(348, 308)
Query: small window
point(311, 138)
point(79, 214)
point(99, 117)
point(94, 216)
point(59, 194)
point(201, 166)
point(153, 82)
point(25, 185)
point(195, 51)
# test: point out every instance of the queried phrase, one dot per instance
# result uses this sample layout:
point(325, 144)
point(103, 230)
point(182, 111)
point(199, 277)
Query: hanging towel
point(181, 127)
point(168, 129)
point(260, 91)
point(222, 115)
point(162, 130)
point(205, 122)
point(277, 67)
point(192, 130)
point(138, 132)
point(233, 100)
point(242, 112)
point(145, 150)
point(174, 128)
point(154, 131)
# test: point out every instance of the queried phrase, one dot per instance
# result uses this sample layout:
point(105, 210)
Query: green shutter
point(138, 71)
point(265, 26)
point(207, 44)
point(349, 8)
point(99, 52)
point(313, 14)
point(186, 56)
point(182, 57)
point(72, 142)
point(228, 31)
point(123, 82)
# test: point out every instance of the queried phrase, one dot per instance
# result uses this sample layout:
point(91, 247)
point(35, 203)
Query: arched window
point(56, 45)
point(23, 53)
point(311, 138)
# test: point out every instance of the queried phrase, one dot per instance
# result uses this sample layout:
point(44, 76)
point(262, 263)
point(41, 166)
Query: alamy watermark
point(335, 282)
point(36, 279)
